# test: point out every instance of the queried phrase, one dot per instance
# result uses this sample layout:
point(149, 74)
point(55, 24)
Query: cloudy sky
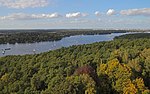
point(74, 14)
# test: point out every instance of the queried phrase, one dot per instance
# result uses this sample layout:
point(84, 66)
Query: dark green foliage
point(119, 66)
point(134, 36)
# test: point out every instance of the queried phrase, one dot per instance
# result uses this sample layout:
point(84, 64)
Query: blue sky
point(74, 14)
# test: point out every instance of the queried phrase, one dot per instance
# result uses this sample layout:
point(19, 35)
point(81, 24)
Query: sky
point(74, 14)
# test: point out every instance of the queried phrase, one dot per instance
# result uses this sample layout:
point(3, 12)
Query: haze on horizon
point(74, 14)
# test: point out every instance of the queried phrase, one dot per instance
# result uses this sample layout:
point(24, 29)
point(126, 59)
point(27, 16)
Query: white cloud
point(23, 3)
point(133, 12)
point(16, 16)
point(111, 12)
point(23, 16)
point(97, 13)
point(41, 16)
point(76, 15)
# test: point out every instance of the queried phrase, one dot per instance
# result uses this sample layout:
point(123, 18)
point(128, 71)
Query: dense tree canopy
point(134, 36)
point(121, 66)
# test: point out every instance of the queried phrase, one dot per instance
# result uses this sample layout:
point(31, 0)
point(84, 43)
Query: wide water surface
point(31, 48)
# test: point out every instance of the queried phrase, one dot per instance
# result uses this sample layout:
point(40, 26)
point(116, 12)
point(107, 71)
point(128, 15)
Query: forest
point(120, 66)
point(31, 36)
point(134, 36)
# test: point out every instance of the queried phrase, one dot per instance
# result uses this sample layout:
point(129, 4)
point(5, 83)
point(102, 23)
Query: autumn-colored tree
point(89, 71)
point(118, 73)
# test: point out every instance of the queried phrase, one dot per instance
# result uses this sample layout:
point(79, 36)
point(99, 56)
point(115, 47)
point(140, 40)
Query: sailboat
point(3, 51)
point(34, 51)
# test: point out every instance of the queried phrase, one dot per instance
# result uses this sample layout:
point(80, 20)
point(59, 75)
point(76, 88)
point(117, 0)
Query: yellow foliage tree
point(129, 88)
point(118, 73)
point(139, 83)
point(5, 77)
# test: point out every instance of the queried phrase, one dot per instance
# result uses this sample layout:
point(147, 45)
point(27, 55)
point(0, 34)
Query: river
point(32, 48)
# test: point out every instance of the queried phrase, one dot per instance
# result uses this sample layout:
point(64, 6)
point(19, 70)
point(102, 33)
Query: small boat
point(3, 52)
point(34, 51)
point(8, 48)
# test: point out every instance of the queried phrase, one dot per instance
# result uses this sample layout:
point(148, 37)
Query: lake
point(32, 48)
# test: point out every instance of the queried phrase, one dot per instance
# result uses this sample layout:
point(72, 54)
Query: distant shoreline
point(40, 35)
